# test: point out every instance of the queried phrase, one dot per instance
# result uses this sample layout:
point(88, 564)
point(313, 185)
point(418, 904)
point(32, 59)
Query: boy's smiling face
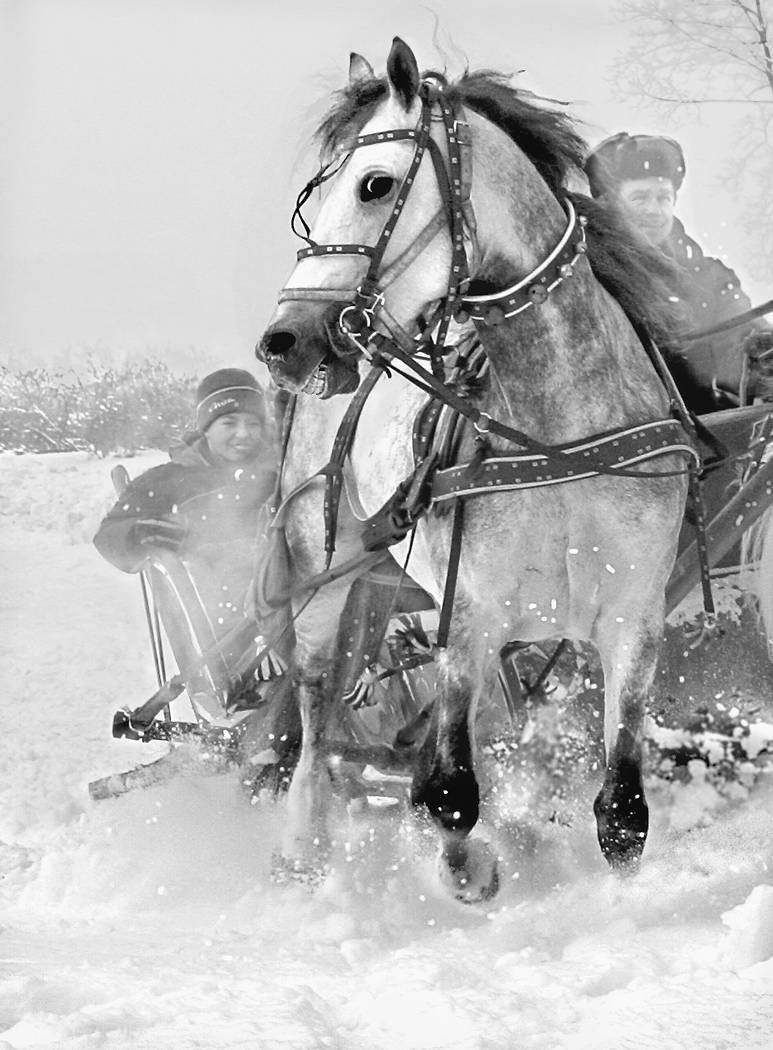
point(235, 437)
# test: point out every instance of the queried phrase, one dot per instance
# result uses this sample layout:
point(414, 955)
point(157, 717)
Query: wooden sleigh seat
point(214, 665)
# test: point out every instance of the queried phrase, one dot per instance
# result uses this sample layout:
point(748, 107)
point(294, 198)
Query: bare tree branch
point(700, 101)
point(695, 54)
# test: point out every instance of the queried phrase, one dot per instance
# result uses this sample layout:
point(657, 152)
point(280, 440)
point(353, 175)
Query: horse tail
point(757, 570)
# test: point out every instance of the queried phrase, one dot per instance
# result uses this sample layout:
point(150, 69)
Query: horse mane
point(643, 280)
point(640, 277)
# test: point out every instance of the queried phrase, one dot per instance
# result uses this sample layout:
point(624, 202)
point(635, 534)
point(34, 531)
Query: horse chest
point(536, 563)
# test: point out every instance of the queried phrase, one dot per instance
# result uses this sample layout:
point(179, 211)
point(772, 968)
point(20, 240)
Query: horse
point(454, 196)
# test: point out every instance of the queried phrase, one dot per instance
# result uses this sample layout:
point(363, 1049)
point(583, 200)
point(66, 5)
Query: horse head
point(405, 238)
point(314, 339)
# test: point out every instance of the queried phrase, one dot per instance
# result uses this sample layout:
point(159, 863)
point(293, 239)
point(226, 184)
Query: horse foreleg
point(306, 839)
point(445, 782)
point(629, 660)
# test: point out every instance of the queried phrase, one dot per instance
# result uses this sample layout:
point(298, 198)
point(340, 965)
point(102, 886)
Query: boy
point(203, 505)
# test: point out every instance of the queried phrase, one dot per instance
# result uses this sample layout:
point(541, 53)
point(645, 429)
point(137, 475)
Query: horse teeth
point(315, 384)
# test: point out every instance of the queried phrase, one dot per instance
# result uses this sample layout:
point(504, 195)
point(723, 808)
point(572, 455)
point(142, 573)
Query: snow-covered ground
point(151, 921)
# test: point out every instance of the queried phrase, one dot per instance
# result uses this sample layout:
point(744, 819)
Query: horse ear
point(359, 68)
point(403, 72)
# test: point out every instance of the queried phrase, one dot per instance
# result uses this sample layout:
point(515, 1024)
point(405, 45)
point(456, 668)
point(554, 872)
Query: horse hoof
point(625, 866)
point(287, 872)
point(622, 849)
point(469, 871)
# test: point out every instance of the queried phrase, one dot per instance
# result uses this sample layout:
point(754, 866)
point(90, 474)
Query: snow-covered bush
point(108, 409)
point(552, 755)
point(728, 745)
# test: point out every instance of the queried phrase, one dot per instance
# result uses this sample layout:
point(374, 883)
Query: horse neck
point(314, 426)
point(574, 364)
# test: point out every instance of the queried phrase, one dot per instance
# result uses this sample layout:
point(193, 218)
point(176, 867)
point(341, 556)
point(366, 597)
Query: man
point(644, 174)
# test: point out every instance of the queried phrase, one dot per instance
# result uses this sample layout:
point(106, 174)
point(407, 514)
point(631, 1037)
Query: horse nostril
point(277, 343)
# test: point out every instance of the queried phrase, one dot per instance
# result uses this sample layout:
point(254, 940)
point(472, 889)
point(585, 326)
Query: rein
point(390, 345)
point(365, 308)
point(565, 457)
point(730, 323)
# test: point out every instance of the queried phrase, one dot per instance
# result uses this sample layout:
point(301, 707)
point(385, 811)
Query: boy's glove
point(362, 693)
point(271, 666)
point(159, 532)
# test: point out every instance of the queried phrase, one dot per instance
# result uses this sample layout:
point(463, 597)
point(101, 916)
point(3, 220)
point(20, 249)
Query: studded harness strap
point(390, 347)
point(364, 306)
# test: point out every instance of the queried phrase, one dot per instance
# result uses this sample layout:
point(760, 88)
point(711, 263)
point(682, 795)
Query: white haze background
point(152, 151)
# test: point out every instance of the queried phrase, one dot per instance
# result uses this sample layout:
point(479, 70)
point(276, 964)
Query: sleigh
point(229, 699)
point(222, 697)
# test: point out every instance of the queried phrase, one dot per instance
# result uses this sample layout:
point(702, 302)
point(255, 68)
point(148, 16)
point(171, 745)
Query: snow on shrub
point(730, 747)
point(108, 409)
point(554, 753)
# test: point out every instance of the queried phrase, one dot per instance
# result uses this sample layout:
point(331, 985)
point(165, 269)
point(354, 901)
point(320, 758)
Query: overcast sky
point(152, 150)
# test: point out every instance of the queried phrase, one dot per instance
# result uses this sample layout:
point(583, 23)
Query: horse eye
point(375, 187)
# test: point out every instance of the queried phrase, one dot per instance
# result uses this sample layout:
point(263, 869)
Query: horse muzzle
point(306, 352)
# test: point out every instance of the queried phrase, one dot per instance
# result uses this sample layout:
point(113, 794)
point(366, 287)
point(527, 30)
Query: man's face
point(649, 203)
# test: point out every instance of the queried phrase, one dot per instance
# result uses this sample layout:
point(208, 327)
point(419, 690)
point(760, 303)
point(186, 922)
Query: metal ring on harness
point(483, 423)
point(359, 332)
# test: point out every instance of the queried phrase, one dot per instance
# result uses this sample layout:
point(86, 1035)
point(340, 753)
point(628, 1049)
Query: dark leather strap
point(334, 469)
point(452, 574)
point(609, 454)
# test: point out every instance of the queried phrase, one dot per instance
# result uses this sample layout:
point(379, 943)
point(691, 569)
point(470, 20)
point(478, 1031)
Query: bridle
point(364, 318)
point(364, 307)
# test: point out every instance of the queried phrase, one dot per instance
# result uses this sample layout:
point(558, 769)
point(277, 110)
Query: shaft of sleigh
point(722, 534)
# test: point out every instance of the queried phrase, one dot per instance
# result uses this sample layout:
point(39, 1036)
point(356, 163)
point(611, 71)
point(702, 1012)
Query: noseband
point(365, 303)
point(365, 308)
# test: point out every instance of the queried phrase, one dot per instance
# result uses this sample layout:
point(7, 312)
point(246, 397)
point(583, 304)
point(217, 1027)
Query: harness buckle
point(370, 301)
point(462, 132)
point(356, 320)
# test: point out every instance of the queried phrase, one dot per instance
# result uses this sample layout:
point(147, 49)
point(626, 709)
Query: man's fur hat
point(625, 156)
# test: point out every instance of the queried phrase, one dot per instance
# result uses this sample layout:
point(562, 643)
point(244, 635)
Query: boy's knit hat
point(224, 391)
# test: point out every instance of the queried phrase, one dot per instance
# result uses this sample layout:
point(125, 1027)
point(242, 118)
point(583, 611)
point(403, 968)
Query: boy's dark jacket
point(217, 507)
